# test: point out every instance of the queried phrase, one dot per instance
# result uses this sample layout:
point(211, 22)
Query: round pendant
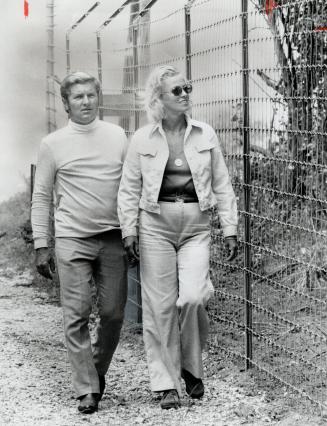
point(178, 162)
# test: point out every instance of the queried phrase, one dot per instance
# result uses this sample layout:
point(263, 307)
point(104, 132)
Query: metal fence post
point(136, 75)
point(67, 53)
point(99, 56)
point(188, 50)
point(50, 93)
point(32, 177)
point(187, 10)
point(137, 125)
point(99, 51)
point(247, 189)
point(72, 28)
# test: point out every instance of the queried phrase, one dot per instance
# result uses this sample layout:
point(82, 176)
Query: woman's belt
point(179, 198)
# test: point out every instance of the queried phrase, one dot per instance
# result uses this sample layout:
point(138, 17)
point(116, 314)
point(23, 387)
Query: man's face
point(82, 103)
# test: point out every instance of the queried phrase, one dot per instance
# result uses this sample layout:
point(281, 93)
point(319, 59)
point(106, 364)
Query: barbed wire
point(286, 153)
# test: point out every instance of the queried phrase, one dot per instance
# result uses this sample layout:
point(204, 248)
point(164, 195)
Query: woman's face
point(176, 104)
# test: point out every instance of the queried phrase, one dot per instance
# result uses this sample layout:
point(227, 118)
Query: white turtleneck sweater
point(81, 165)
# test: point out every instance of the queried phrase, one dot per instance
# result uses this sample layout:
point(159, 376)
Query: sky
point(23, 47)
point(23, 44)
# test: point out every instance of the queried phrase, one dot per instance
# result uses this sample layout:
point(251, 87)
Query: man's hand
point(131, 245)
point(45, 264)
point(231, 247)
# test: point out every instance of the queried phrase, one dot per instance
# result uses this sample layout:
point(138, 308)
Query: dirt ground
point(35, 386)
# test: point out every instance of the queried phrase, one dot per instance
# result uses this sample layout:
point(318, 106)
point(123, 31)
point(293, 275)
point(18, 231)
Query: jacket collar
point(190, 123)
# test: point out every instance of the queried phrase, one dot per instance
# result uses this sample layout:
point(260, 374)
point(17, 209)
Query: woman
point(173, 174)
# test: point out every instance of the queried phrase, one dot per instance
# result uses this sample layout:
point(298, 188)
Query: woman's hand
point(131, 245)
point(231, 247)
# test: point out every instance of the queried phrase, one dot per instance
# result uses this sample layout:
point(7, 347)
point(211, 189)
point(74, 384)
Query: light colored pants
point(80, 260)
point(174, 266)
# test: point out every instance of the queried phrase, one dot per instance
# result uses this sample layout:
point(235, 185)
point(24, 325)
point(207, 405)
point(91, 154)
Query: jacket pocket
point(148, 158)
point(203, 164)
point(147, 150)
point(205, 145)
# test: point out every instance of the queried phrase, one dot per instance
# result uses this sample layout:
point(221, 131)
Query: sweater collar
point(83, 128)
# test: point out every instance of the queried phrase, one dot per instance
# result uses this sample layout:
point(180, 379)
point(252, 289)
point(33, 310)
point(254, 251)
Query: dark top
point(177, 180)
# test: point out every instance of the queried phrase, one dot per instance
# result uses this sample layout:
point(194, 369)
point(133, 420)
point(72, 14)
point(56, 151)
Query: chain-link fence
point(259, 75)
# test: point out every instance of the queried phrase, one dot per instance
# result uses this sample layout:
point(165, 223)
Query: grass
point(14, 222)
point(289, 295)
point(16, 244)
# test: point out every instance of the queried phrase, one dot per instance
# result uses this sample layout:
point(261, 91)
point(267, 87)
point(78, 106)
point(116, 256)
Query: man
point(81, 165)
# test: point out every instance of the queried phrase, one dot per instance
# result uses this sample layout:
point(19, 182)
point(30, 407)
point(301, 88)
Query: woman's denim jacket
point(145, 164)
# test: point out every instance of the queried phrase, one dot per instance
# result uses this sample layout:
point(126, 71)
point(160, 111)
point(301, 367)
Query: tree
point(300, 35)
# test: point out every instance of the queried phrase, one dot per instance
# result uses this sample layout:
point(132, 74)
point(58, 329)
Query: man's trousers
point(174, 266)
point(100, 258)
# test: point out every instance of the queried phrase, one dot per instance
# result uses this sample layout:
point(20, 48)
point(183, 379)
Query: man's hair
point(153, 89)
point(78, 77)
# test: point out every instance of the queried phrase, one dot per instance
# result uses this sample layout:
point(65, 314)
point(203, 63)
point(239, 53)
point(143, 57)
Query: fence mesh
point(275, 299)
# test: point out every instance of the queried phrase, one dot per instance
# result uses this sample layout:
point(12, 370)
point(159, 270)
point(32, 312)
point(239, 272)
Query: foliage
point(288, 211)
point(14, 213)
point(14, 221)
point(300, 43)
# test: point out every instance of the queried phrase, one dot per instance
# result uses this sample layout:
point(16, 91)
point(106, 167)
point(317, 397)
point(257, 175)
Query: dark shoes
point(170, 399)
point(88, 403)
point(194, 386)
point(102, 385)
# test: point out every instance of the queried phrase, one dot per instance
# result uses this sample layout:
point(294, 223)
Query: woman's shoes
point(194, 386)
point(170, 399)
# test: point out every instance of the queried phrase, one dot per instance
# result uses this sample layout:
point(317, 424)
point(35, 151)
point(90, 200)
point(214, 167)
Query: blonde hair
point(78, 77)
point(153, 89)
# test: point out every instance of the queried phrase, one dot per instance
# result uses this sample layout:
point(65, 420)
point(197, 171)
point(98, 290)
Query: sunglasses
point(178, 90)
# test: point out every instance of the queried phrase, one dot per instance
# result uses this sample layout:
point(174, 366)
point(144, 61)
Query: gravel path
point(35, 386)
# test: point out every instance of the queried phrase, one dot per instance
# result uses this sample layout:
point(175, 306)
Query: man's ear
point(66, 105)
